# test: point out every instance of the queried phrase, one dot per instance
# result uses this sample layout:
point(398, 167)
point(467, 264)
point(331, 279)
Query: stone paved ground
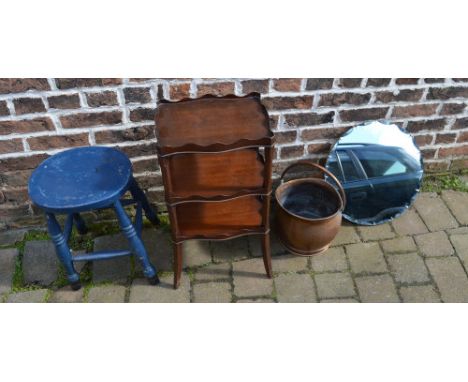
point(420, 257)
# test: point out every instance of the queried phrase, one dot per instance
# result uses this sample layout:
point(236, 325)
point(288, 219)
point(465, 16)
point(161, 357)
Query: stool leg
point(136, 243)
point(139, 195)
point(63, 251)
point(178, 259)
point(80, 224)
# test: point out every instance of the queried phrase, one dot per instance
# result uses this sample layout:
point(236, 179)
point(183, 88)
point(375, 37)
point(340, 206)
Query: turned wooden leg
point(267, 254)
point(177, 264)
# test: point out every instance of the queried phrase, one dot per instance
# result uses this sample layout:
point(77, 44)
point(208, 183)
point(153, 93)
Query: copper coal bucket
point(309, 211)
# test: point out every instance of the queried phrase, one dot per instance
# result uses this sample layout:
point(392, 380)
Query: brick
point(399, 245)
point(377, 289)
point(58, 141)
point(137, 95)
point(280, 103)
point(26, 163)
point(217, 89)
point(332, 285)
point(230, 250)
point(30, 296)
point(142, 114)
point(419, 294)
point(285, 136)
point(460, 79)
point(423, 140)
point(250, 279)
point(132, 134)
point(457, 202)
point(179, 91)
point(366, 258)
point(434, 244)
point(434, 212)
point(414, 110)
point(447, 93)
point(196, 253)
point(323, 133)
point(8, 258)
point(308, 119)
point(117, 269)
point(428, 153)
point(40, 263)
point(460, 242)
point(463, 137)
point(287, 84)
point(445, 152)
point(319, 148)
point(139, 150)
point(377, 82)
point(19, 85)
point(26, 126)
point(349, 82)
point(460, 123)
point(289, 263)
point(333, 260)
point(408, 268)
point(295, 151)
point(143, 165)
point(431, 124)
point(338, 99)
point(64, 101)
point(67, 295)
point(450, 278)
point(107, 294)
point(4, 108)
point(400, 95)
point(214, 272)
point(436, 166)
point(459, 164)
point(212, 293)
point(442, 138)
point(346, 235)
point(28, 105)
point(434, 80)
point(258, 86)
point(295, 288)
point(70, 83)
point(377, 232)
point(319, 83)
point(105, 98)
point(406, 81)
point(452, 108)
point(91, 119)
point(11, 146)
point(355, 115)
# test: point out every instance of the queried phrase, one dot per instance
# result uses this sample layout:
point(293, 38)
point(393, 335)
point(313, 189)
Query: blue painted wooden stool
point(85, 179)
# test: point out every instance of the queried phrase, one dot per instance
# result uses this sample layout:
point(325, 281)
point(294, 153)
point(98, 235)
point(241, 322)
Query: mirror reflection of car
point(379, 181)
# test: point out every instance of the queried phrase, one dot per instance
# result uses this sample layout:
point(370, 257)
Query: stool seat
point(80, 179)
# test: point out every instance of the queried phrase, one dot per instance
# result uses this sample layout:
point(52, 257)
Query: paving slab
point(107, 293)
point(339, 301)
point(330, 285)
point(212, 292)
point(255, 300)
point(40, 262)
point(158, 244)
point(377, 289)
point(142, 292)
point(67, 295)
point(434, 244)
point(377, 232)
point(457, 231)
point(250, 279)
point(30, 296)
point(113, 270)
point(255, 245)
point(409, 224)
point(214, 272)
point(457, 202)
point(419, 294)
point(333, 260)
point(366, 258)
point(196, 253)
point(289, 263)
point(8, 259)
point(295, 288)
point(346, 235)
point(399, 245)
point(450, 278)
point(230, 250)
point(408, 268)
point(11, 236)
point(434, 212)
point(460, 242)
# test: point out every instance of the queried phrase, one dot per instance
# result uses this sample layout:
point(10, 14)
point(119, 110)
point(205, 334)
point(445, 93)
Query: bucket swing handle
point(306, 163)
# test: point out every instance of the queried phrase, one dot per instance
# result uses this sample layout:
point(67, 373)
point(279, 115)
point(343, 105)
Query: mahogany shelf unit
point(216, 156)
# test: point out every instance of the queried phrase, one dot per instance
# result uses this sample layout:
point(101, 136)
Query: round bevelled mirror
point(380, 169)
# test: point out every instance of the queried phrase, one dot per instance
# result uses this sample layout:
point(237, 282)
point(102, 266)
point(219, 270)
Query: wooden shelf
point(215, 176)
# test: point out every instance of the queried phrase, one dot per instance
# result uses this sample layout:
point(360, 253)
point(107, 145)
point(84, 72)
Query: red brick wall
point(39, 117)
